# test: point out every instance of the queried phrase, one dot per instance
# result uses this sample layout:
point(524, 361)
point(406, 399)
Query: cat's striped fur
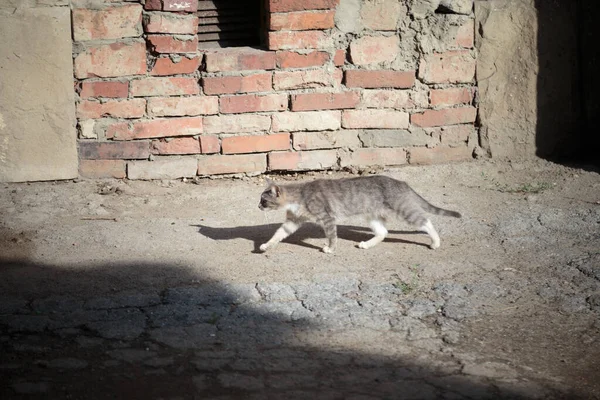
point(325, 201)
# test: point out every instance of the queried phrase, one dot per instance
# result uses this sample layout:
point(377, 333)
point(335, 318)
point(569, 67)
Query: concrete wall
point(37, 113)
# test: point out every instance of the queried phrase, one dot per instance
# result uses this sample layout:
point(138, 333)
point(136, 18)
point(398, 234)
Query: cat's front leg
point(285, 230)
point(331, 233)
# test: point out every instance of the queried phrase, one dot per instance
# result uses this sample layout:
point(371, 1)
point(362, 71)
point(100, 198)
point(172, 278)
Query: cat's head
point(272, 197)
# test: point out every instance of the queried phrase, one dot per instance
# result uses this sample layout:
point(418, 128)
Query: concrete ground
point(128, 290)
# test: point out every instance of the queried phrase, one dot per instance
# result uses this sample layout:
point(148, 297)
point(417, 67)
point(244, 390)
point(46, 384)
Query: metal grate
point(229, 23)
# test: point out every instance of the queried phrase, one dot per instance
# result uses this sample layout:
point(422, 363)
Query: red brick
point(380, 79)
point(306, 121)
point(134, 108)
point(450, 96)
point(173, 44)
point(301, 21)
point(186, 126)
point(303, 160)
point(255, 144)
point(236, 59)
point(456, 134)
point(166, 66)
point(180, 5)
point(153, 5)
point(299, 5)
point(244, 123)
point(209, 144)
point(100, 169)
point(184, 145)
point(109, 23)
point(164, 86)
point(465, 35)
point(238, 84)
point(449, 67)
point(439, 154)
point(171, 23)
point(398, 99)
point(111, 60)
point(339, 58)
point(375, 119)
point(104, 89)
point(325, 140)
point(447, 116)
point(324, 101)
point(379, 156)
point(180, 106)
point(253, 103)
point(113, 150)
point(291, 59)
point(289, 40)
point(232, 164)
point(374, 49)
point(170, 167)
point(304, 79)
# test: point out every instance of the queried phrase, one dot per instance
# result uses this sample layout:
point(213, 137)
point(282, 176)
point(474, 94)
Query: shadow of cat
point(259, 234)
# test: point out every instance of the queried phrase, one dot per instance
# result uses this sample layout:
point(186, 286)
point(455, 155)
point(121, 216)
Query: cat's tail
point(430, 208)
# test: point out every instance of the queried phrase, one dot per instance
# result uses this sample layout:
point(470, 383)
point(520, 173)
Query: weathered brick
point(232, 164)
point(324, 101)
point(396, 138)
point(152, 5)
point(447, 116)
point(244, 123)
point(398, 99)
point(439, 154)
point(239, 59)
point(173, 44)
point(380, 79)
point(312, 78)
point(303, 160)
point(291, 59)
point(450, 96)
point(299, 5)
point(111, 60)
point(113, 150)
point(162, 168)
point(180, 5)
point(339, 57)
point(465, 35)
point(289, 40)
point(306, 121)
point(133, 108)
point(165, 22)
point(325, 140)
point(382, 15)
point(100, 169)
point(456, 134)
point(301, 21)
point(166, 66)
point(449, 67)
point(159, 86)
point(255, 143)
point(209, 144)
point(184, 145)
point(367, 157)
point(185, 126)
point(371, 118)
point(253, 103)
point(238, 84)
point(111, 89)
point(109, 23)
point(374, 49)
point(181, 106)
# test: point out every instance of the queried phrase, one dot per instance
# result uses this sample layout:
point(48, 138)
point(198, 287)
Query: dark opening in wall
point(230, 23)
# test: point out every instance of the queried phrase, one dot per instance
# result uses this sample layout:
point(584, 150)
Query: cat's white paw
point(263, 247)
point(327, 249)
point(434, 246)
point(362, 245)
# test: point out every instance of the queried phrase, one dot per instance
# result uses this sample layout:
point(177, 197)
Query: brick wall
point(335, 86)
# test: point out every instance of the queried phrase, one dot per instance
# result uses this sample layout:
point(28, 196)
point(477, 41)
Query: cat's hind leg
point(380, 234)
point(428, 228)
point(285, 230)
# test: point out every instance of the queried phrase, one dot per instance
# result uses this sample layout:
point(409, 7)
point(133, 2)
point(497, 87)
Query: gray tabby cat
point(325, 201)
